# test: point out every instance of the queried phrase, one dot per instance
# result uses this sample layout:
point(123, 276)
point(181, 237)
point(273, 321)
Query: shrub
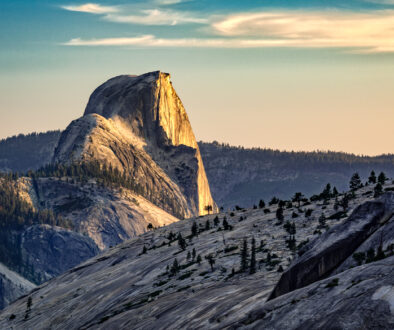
point(332, 283)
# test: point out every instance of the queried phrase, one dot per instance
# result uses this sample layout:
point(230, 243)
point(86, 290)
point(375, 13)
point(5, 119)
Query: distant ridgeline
point(24, 152)
point(241, 176)
point(237, 175)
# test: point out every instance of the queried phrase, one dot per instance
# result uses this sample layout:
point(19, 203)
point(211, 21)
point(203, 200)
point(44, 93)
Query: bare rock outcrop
point(359, 298)
point(139, 125)
point(12, 286)
point(107, 216)
point(327, 252)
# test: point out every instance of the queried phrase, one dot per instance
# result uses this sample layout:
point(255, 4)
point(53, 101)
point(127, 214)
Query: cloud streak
point(142, 17)
point(371, 32)
point(156, 17)
point(152, 41)
point(92, 8)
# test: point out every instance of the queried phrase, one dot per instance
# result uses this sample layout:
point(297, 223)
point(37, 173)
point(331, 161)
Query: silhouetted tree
point(355, 182)
point(225, 224)
point(382, 178)
point(199, 259)
point(181, 242)
point(208, 208)
point(297, 198)
point(344, 202)
point(378, 190)
point(175, 267)
point(322, 220)
point(244, 255)
point(326, 193)
point(372, 177)
point(252, 269)
point(211, 260)
point(194, 229)
point(274, 201)
point(279, 214)
point(207, 225)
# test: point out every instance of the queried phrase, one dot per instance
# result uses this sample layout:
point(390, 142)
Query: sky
point(289, 75)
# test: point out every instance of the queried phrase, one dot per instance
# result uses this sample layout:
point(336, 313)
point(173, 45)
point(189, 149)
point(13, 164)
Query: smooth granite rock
point(327, 252)
point(139, 125)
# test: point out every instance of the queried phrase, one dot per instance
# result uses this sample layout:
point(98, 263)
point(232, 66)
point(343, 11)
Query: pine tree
point(175, 267)
point(211, 260)
point(326, 193)
point(208, 208)
point(244, 255)
point(181, 242)
point(344, 202)
point(144, 250)
point(216, 221)
point(274, 201)
point(188, 256)
point(279, 214)
point(335, 192)
point(297, 198)
point(225, 224)
point(199, 259)
point(378, 190)
point(194, 229)
point(252, 269)
point(207, 225)
point(372, 177)
point(355, 182)
point(194, 254)
point(382, 178)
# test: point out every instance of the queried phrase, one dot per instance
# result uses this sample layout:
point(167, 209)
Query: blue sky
point(295, 75)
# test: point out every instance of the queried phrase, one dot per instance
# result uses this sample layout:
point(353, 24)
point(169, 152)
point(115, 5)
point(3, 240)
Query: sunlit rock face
point(139, 125)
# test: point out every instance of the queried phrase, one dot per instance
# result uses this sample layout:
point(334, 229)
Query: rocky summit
point(129, 164)
point(138, 125)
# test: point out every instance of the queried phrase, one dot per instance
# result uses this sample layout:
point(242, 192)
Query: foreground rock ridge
point(139, 125)
point(136, 285)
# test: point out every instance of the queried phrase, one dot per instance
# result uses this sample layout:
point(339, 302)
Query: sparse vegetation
point(334, 282)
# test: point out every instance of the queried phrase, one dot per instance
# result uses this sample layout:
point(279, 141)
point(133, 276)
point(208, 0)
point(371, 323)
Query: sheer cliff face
point(139, 125)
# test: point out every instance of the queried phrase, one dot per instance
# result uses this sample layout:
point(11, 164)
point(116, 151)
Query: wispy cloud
point(382, 2)
point(374, 30)
point(152, 41)
point(118, 14)
point(156, 17)
point(92, 8)
point(170, 2)
point(359, 32)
